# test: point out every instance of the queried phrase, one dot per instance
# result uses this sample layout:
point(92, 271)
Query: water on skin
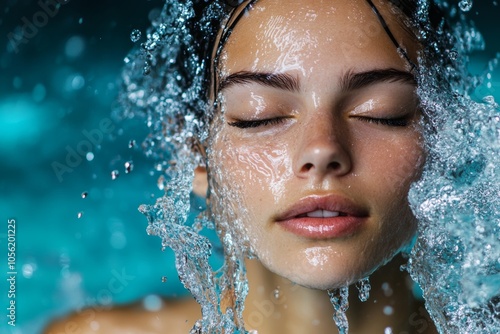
point(457, 200)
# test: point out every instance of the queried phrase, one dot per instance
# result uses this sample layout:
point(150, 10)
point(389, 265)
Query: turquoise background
point(59, 86)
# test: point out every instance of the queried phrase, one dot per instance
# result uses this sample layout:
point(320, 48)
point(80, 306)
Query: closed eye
point(243, 124)
point(399, 122)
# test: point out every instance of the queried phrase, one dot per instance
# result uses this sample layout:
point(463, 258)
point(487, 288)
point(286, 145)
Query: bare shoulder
point(174, 317)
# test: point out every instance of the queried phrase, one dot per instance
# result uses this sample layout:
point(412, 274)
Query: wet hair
point(408, 8)
point(171, 75)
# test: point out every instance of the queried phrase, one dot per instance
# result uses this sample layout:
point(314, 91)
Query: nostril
point(334, 165)
point(307, 167)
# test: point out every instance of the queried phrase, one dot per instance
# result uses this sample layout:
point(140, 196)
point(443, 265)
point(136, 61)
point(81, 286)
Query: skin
point(322, 146)
point(318, 138)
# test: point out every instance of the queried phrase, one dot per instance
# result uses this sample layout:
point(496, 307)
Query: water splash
point(115, 174)
point(129, 166)
point(364, 288)
point(135, 35)
point(164, 83)
point(455, 258)
point(465, 5)
point(340, 301)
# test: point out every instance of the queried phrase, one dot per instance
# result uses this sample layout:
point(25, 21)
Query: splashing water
point(135, 35)
point(457, 200)
point(364, 288)
point(465, 5)
point(339, 299)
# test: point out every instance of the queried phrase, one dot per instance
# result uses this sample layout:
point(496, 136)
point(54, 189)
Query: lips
point(323, 217)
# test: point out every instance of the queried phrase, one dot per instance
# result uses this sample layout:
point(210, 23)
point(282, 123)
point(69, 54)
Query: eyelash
point(255, 123)
point(394, 122)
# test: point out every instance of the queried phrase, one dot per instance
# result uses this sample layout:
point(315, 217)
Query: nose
point(324, 151)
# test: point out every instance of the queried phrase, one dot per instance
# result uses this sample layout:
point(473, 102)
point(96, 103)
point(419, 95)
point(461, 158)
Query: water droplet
point(85, 194)
point(388, 310)
point(453, 54)
point(115, 174)
point(196, 328)
point(129, 166)
point(276, 292)
point(465, 5)
point(80, 214)
point(89, 156)
point(490, 100)
point(364, 288)
point(135, 35)
point(164, 279)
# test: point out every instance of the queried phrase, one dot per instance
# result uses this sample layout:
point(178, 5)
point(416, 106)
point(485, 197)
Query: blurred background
point(72, 176)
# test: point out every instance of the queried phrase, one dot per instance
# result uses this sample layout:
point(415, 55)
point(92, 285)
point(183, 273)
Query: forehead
point(284, 35)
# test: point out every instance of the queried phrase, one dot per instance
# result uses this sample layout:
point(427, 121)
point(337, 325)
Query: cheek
point(261, 170)
point(394, 163)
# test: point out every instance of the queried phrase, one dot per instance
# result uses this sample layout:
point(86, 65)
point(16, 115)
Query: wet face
point(317, 141)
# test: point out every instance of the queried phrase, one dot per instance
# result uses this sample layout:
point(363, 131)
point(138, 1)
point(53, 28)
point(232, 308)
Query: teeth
point(322, 214)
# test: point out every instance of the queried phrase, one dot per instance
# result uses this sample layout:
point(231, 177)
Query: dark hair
point(177, 61)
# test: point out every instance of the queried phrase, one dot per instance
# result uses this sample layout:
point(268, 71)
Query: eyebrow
point(282, 81)
point(349, 81)
point(357, 80)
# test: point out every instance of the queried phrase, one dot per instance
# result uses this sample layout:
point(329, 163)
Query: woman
point(314, 142)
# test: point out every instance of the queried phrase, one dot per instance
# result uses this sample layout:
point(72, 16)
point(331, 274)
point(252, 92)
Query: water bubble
point(388, 310)
point(129, 166)
point(453, 54)
point(115, 174)
point(146, 70)
point(388, 330)
point(276, 293)
point(131, 144)
point(465, 5)
point(74, 46)
point(80, 20)
point(152, 303)
point(89, 156)
point(79, 214)
point(135, 35)
point(164, 279)
point(85, 194)
point(28, 269)
point(386, 288)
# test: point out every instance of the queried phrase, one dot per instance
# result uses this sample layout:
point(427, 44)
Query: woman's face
point(317, 140)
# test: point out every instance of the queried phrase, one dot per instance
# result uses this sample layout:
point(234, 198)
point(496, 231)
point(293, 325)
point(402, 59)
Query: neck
point(274, 304)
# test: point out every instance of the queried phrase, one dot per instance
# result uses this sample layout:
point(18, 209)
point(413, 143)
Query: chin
point(324, 272)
